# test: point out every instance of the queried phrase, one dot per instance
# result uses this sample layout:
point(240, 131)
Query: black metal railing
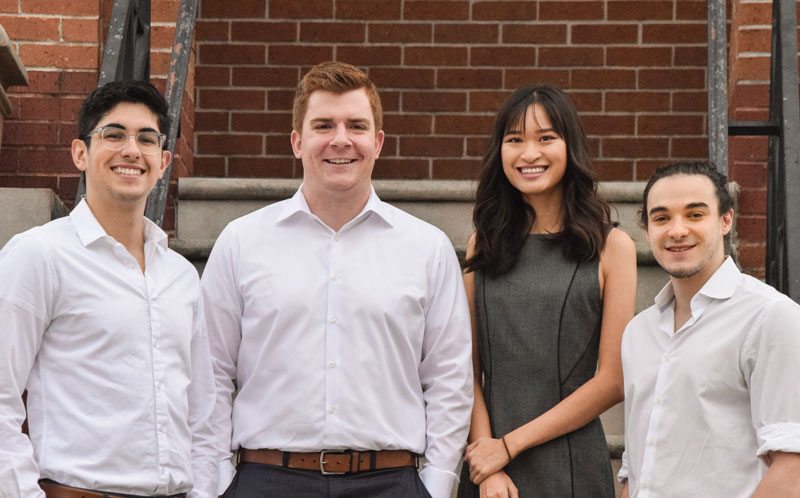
point(127, 56)
point(782, 128)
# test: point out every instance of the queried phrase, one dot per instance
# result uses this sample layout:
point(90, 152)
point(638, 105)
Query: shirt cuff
point(225, 473)
point(622, 475)
point(438, 482)
point(778, 437)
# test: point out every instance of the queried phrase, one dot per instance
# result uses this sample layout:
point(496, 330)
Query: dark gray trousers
point(255, 480)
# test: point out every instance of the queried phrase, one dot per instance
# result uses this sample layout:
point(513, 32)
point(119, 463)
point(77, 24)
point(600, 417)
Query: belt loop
point(286, 456)
point(358, 468)
point(373, 460)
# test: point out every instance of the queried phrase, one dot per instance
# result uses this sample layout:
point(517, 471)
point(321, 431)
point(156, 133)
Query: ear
point(297, 144)
point(727, 221)
point(379, 143)
point(80, 154)
point(166, 157)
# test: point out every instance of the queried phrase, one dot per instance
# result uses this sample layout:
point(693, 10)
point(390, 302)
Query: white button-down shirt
point(358, 339)
point(704, 403)
point(116, 363)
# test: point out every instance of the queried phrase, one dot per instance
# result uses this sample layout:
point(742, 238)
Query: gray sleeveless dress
point(538, 336)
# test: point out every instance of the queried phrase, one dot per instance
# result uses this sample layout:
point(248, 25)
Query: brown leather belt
point(332, 462)
point(53, 489)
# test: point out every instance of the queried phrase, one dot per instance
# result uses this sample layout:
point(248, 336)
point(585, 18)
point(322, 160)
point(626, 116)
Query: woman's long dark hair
point(503, 219)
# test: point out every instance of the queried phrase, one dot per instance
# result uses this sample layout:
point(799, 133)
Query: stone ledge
point(12, 72)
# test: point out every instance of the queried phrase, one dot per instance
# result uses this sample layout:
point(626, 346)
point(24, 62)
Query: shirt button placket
point(334, 332)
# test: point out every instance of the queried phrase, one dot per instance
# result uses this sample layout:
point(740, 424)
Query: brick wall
point(635, 69)
point(60, 43)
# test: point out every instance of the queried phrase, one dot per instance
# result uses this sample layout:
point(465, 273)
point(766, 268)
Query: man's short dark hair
point(703, 168)
point(104, 98)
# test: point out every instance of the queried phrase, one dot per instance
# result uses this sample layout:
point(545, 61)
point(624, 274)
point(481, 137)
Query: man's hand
point(498, 485)
point(486, 456)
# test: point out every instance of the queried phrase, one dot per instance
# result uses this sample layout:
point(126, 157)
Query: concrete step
point(24, 208)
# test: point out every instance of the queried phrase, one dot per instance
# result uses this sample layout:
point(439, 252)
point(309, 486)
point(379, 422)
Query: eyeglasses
point(114, 138)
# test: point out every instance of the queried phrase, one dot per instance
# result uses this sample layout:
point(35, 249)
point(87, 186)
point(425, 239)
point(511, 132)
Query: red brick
point(504, 56)
point(164, 10)
point(751, 227)
point(280, 100)
point(693, 9)
point(570, 10)
point(683, 33)
point(337, 32)
point(638, 56)
point(637, 10)
point(260, 31)
point(266, 76)
point(211, 121)
point(751, 95)
point(390, 100)
point(516, 78)
point(161, 36)
point(52, 161)
point(279, 145)
point(368, 9)
point(23, 133)
point(753, 13)
point(504, 10)
point(230, 54)
point(217, 143)
point(9, 162)
point(79, 82)
point(23, 28)
point(613, 170)
point(636, 101)
point(370, 55)
point(434, 101)
point(752, 254)
point(635, 147)
point(81, 30)
point(213, 76)
point(692, 148)
point(232, 99)
point(11, 6)
point(28, 181)
point(476, 146)
point(604, 34)
point(691, 56)
point(390, 146)
point(646, 167)
point(66, 133)
point(670, 124)
point(436, 9)
point(212, 30)
point(401, 168)
point(64, 7)
point(408, 124)
point(264, 122)
point(464, 124)
point(399, 33)
point(535, 33)
point(608, 124)
point(752, 201)
point(602, 78)
point(465, 33)
point(748, 174)
point(488, 101)
point(232, 9)
point(36, 108)
point(751, 68)
point(690, 101)
point(748, 148)
point(299, 54)
point(672, 78)
point(753, 40)
point(40, 82)
point(68, 108)
point(60, 56)
point(261, 166)
point(401, 77)
point(469, 78)
point(586, 101)
point(462, 169)
point(431, 146)
point(435, 56)
point(209, 166)
point(570, 56)
point(159, 64)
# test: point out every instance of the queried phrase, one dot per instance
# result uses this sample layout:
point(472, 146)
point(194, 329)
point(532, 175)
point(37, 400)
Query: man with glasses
point(102, 324)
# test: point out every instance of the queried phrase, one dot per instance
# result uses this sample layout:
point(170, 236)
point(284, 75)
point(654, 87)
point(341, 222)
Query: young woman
point(552, 284)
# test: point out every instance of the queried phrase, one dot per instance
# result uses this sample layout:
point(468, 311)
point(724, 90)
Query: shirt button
point(659, 400)
point(651, 441)
point(336, 238)
point(332, 364)
point(645, 484)
point(334, 277)
point(331, 410)
point(162, 428)
point(666, 358)
point(333, 320)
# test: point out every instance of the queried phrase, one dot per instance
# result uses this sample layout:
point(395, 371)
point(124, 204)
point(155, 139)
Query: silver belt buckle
point(322, 462)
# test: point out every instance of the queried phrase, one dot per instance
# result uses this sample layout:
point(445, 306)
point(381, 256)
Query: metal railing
point(782, 128)
point(127, 56)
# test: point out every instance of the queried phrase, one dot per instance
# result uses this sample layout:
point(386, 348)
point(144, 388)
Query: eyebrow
point(119, 126)
point(691, 205)
point(329, 120)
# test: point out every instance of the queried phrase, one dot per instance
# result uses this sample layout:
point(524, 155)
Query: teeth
point(340, 161)
point(127, 171)
point(536, 170)
point(679, 249)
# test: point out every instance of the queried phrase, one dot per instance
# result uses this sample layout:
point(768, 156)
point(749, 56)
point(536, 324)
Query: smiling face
point(120, 176)
point(338, 145)
point(534, 156)
point(685, 228)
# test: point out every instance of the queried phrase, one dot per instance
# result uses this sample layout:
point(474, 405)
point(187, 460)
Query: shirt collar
point(90, 230)
point(298, 204)
point(721, 285)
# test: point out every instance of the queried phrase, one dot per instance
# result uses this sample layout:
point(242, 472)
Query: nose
point(530, 151)
point(678, 228)
point(131, 148)
point(340, 138)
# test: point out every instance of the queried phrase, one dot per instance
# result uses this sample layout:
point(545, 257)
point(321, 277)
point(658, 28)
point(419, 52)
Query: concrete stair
point(24, 208)
point(206, 205)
